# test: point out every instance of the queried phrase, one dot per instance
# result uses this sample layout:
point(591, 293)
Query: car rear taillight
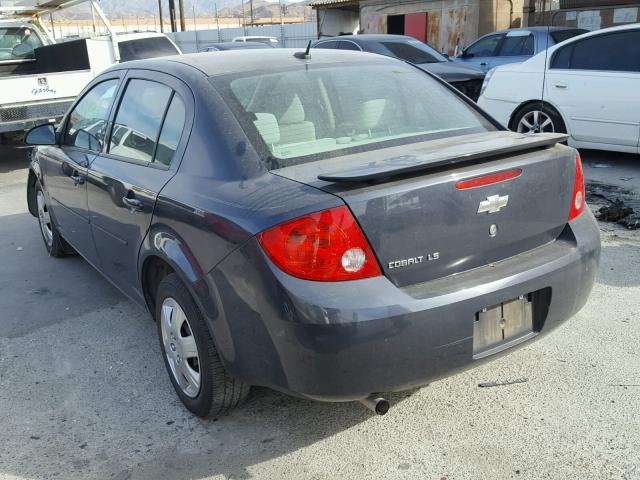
point(324, 246)
point(578, 196)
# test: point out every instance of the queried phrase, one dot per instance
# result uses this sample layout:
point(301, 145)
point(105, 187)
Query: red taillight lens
point(489, 179)
point(578, 196)
point(324, 246)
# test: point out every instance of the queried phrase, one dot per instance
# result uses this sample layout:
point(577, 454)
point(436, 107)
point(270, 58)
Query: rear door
point(594, 82)
point(148, 135)
point(65, 166)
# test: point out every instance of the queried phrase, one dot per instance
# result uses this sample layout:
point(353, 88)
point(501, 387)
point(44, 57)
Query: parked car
point(513, 45)
point(220, 46)
point(272, 41)
point(466, 79)
point(291, 226)
point(587, 87)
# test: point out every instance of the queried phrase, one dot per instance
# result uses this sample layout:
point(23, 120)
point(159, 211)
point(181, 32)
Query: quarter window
point(137, 123)
point(344, 45)
point(87, 123)
point(330, 44)
point(171, 131)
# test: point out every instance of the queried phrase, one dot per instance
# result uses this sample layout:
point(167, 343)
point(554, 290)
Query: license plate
point(502, 326)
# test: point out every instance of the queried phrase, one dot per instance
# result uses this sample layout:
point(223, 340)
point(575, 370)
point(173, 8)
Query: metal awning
point(30, 8)
point(332, 3)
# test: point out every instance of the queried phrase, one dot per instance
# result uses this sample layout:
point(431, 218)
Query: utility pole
point(183, 27)
point(172, 15)
point(251, 10)
point(160, 13)
point(215, 6)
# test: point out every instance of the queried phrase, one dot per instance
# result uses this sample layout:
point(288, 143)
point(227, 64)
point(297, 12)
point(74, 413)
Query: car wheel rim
point(44, 218)
point(180, 347)
point(536, 121)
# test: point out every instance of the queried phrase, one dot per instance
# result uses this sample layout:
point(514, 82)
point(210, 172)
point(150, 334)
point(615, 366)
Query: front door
point(124, 180)
point(480, 53)
point(65, 166)
point(594, 82)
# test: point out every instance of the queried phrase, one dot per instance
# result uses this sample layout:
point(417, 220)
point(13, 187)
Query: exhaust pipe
point(376, 404)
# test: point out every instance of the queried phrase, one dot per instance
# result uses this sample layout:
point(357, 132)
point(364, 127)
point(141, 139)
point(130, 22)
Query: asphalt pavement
point(84, 392)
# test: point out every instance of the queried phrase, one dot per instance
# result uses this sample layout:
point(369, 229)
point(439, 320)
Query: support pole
point(112, 32)
point(183, 26)
point(160, 13)
point(172, 15)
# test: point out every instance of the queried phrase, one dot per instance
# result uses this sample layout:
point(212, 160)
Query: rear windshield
point(149, 47)
point(18, 43)
point(562, 35)
point(307, 114)
point(414, 51)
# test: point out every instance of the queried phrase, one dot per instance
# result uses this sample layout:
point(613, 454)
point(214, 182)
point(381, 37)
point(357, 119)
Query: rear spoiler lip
point(387, 170)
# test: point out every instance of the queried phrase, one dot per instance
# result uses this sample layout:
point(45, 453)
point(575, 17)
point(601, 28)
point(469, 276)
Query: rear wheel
point(190, 356)
point(538, 118)
point(53, 241)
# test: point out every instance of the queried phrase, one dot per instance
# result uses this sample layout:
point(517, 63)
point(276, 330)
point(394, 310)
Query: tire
point(536, 117)
point(54, 243)
point(200, 381)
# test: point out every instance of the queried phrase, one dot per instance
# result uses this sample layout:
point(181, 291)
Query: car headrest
point(371, 113)
point(294, 112)
point(267, 127)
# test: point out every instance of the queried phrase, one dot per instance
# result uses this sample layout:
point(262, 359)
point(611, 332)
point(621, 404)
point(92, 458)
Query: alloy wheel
point(535, 121)
point(44, 218)
point(180, 347)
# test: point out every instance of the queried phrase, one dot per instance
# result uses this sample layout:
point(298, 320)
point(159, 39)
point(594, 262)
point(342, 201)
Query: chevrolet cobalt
point(333, 226)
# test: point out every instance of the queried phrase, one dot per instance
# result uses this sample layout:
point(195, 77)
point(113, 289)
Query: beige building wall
point(451, 24)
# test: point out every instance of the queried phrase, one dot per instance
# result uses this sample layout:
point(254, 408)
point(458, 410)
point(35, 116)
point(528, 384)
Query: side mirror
point(41, 135)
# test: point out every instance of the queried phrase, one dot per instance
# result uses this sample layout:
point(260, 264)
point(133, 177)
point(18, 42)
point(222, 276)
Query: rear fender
point(163, 242)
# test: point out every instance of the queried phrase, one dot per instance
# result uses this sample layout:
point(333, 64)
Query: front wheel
point(190, 356)
point(538, 118)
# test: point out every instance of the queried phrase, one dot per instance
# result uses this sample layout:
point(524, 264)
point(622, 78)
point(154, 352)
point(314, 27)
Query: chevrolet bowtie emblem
point(493, 204)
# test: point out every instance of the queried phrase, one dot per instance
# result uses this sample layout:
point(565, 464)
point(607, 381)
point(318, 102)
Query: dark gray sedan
point(291, 226)
point(466, 79)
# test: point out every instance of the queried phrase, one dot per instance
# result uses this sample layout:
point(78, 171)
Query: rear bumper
point(342, 341)
point(17, 117)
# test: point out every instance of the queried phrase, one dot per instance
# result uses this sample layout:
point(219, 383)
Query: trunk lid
point(422, 227)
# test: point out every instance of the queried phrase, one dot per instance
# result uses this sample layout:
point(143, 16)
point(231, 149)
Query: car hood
point(452, 72)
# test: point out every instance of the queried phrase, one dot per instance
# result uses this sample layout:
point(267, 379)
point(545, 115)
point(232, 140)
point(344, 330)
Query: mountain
point(149, 8)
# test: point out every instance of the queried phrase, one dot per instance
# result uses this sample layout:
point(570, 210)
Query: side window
point(514, 45)
point(329, 44)
point(484, 47)
point(617, 52)
point(171, 131)
point(87, 123)
point(344, 45)
point(137, 123)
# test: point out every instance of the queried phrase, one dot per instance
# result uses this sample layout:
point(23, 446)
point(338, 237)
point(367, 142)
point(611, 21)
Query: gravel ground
point(84, 393)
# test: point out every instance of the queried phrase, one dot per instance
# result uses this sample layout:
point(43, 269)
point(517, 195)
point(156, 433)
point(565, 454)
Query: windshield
point(302, 115)
point(18, 43)
point(414, 51)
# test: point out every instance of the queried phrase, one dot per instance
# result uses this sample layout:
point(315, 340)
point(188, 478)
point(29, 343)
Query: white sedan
point(588, 87)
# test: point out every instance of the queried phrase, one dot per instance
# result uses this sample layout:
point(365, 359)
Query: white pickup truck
point(40, 79)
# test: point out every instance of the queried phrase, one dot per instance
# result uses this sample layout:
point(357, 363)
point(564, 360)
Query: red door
point(415, 25)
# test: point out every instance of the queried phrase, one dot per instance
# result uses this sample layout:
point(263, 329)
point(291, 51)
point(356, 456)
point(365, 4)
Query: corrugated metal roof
point(329, 3)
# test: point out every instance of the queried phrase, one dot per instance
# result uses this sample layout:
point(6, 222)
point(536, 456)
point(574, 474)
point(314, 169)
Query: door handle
point(483, 64)
point(77, 179)
point(561, 86)
point(133, 204)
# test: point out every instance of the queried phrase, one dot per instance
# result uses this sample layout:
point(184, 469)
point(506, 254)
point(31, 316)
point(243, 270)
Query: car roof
point(541, 29)
point(369, 37)
point(246, 60)
point(237, 45)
